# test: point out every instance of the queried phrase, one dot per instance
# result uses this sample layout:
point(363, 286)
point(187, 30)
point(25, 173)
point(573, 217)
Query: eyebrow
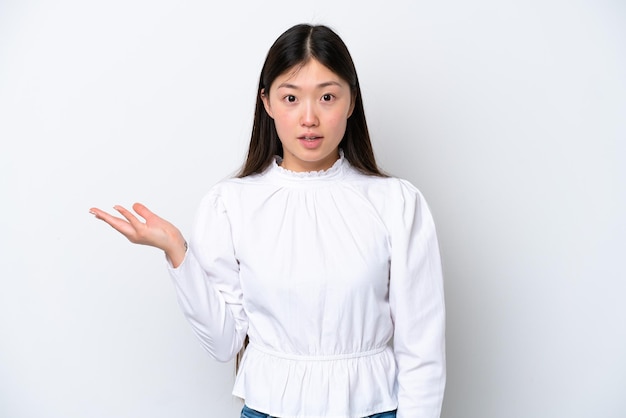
point(321, 85)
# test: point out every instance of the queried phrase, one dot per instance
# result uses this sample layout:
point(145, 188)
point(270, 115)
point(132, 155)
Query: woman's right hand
point(155, 231)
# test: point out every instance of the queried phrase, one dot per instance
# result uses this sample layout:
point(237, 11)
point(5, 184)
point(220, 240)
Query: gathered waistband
point(331, 357)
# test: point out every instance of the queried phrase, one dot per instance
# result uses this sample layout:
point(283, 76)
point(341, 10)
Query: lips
point(310, 137)
point(310, 140)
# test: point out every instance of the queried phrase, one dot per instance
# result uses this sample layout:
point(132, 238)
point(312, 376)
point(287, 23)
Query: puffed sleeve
point(417, 307)
point(207, 283)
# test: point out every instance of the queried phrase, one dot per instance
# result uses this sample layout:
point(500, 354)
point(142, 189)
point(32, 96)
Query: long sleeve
point(417, 307)
point(207, 283)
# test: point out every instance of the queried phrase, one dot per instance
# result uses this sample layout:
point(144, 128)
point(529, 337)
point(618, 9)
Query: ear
point(266, 103)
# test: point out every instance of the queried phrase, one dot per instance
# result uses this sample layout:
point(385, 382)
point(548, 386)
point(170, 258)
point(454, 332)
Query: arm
point(207, 283)
point(417, 306)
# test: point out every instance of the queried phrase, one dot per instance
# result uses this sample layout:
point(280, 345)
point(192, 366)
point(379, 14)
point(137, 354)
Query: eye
point(327, 97)
point(290, 98)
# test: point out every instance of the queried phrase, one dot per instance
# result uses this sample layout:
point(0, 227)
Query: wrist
point(176, 254)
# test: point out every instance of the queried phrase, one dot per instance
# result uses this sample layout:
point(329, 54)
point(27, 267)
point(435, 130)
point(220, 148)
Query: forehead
point(308, 73)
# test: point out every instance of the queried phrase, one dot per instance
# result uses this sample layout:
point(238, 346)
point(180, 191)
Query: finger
point(102, 215)
point(132, 219)
point(116, 223)
point(143, 211)
point(96, 212)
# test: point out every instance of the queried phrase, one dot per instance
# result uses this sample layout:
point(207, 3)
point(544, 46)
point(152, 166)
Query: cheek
point(283, 120)
point(338, 122)
point(285, 124)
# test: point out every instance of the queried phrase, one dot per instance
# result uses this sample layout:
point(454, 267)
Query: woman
point(329, 267)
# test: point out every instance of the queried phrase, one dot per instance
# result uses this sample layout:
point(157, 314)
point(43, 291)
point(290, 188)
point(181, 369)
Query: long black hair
point(294, 47)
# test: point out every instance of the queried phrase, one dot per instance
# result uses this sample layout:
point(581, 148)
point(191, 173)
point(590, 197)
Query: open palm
point(153, 231)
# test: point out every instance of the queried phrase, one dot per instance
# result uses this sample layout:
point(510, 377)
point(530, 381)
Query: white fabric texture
point(335, 276)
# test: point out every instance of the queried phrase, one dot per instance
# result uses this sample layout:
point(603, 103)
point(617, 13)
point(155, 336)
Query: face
point(310, 106)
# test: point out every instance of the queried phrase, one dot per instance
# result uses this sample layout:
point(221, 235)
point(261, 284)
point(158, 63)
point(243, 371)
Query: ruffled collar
point(331, 172)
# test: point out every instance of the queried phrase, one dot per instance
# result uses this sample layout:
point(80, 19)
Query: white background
point(510, 116)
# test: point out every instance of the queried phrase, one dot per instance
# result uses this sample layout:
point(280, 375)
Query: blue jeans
point(251, 413)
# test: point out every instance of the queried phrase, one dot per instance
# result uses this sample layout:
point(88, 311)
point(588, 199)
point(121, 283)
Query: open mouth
point(310, 138)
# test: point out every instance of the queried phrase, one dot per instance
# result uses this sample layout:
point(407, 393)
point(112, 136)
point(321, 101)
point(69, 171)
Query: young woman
point(330, 267)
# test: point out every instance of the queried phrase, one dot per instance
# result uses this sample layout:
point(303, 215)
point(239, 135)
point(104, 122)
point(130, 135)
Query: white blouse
point(335, 276)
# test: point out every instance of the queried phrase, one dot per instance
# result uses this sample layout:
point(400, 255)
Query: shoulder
point(387, 190)
point(216, 193)
point(230, 185)
point(230, 195)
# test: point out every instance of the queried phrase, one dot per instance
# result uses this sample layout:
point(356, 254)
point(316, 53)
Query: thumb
point(142, 210)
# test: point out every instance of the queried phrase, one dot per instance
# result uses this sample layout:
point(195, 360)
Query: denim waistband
point(251, 413)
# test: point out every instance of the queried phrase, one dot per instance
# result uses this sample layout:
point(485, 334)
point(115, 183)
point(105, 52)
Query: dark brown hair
point(296, 47)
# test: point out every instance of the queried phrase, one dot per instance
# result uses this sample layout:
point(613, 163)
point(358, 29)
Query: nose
point(309, 116)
